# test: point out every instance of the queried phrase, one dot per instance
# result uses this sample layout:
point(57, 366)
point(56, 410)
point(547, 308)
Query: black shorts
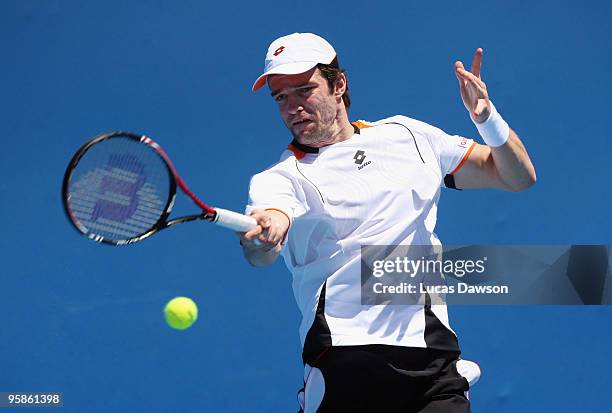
point(379, 378)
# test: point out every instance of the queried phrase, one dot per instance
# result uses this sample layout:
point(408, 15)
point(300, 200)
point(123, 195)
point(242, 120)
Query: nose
point(294, 105)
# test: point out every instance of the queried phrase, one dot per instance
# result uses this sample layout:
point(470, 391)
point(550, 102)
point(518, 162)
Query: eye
point(280, 97)
point(305, 91)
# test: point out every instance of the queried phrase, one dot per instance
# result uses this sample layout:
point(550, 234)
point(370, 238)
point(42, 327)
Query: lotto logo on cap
point(294, 54)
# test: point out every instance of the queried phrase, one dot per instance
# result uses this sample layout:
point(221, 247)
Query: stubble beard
point(323, 132)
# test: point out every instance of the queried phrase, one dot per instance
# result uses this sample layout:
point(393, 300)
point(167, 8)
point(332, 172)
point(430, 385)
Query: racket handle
point(234, 220)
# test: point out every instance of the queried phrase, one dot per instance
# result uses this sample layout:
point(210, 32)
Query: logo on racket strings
point(119, 189)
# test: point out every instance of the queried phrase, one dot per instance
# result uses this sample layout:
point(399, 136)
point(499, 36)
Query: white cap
point(294, 54)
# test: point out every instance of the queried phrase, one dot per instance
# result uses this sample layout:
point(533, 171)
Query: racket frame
point(208, 214)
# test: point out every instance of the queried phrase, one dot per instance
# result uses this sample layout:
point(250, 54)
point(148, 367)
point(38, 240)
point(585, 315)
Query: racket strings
point(119, 189)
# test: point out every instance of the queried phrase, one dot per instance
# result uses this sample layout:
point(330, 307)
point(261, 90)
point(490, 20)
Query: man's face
point(306, 105)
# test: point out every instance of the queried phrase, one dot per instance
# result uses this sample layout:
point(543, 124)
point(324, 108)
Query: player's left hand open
point(473, 90)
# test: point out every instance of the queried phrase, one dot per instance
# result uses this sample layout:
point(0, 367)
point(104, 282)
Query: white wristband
point(494, 131)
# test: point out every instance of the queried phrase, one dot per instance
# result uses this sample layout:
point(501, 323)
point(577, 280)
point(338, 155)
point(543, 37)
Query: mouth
point(300, 122)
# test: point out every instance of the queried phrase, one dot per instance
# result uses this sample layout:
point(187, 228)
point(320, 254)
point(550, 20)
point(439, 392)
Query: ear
point(340, 86)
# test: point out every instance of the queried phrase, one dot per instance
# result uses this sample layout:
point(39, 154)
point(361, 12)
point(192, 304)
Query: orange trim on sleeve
point(281, 211)
point(298, 153)
point(467, 154)
point(361, 125)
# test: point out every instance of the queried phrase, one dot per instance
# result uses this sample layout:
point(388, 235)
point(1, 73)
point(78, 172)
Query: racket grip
point(234, 220)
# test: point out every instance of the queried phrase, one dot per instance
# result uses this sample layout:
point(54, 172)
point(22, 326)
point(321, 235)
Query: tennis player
point(341, 184)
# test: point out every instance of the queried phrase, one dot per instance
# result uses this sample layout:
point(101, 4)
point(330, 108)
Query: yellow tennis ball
point(181, 313)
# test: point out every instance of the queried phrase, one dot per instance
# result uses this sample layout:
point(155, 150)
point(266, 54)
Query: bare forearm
point(513, 166)
point(258, 257)
point(262, 245)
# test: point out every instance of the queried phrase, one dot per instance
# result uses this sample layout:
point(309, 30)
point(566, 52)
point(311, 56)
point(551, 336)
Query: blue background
point(86, 319)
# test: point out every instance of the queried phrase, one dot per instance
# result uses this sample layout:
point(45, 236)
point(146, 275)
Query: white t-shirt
point(380, 187)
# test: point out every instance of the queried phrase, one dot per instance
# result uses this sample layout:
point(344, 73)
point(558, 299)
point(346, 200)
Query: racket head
point(118, 188)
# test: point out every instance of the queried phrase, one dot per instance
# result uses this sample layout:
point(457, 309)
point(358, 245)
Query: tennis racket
point(120, 187)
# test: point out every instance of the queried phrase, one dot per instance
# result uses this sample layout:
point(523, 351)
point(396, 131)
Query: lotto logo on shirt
point(359, 158)
point(463, 143)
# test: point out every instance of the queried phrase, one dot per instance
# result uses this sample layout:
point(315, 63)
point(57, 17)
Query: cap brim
point(286, 69)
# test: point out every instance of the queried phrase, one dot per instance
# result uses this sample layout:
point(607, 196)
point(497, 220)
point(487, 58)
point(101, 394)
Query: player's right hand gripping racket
point(120, 187)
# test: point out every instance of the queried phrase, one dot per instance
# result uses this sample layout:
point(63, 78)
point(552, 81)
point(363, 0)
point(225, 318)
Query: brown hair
point(331, 72)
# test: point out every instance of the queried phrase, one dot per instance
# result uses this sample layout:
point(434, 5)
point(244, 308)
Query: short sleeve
point(451, 150)
point(272, 190)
